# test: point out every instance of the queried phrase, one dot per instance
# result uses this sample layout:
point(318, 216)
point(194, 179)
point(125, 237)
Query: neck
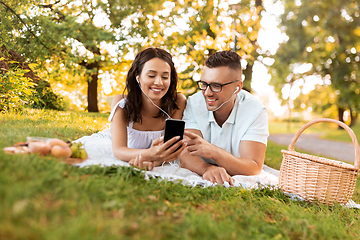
point(224, 112)
point(148, 108)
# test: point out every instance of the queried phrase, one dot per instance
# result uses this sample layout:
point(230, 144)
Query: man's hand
point(218, 175)
point(197, 146)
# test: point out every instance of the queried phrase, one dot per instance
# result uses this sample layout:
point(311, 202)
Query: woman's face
point(155, 78)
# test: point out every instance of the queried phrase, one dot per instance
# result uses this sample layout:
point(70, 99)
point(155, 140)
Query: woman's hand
point(140, 163)
point(158, 153)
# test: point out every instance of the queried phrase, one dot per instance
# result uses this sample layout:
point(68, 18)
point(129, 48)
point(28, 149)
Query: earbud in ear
point(237, 88)
point(137, 78)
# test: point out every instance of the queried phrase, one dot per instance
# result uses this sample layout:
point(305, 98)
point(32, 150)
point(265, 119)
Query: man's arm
point(250, 163)
point(198, 165)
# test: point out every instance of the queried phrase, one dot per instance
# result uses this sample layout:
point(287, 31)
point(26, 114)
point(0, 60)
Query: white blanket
point(98, 147)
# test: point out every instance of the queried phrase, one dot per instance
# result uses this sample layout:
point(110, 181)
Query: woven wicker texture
point(316, 178)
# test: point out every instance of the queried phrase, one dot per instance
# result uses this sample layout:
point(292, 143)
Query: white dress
point(136, 138)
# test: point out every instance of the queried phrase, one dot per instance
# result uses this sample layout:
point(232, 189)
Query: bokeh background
point(300, 57)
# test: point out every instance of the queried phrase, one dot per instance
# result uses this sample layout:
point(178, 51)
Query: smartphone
point(173, 128)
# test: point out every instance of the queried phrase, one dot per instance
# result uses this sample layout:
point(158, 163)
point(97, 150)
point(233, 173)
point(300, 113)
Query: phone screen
point(174, 127)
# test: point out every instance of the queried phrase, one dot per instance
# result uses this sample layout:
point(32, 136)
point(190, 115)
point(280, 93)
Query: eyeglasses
point(214, 87)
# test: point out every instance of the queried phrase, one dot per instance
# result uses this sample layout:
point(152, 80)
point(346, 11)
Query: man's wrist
point(207, 167)
point(216, 153)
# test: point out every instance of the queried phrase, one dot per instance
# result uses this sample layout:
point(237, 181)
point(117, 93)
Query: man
point(227, 127)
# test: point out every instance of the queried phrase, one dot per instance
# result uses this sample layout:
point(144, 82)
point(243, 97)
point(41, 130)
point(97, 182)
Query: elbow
point(254, 168)
point(116, 154)
point(183, 160)
point(257, 169)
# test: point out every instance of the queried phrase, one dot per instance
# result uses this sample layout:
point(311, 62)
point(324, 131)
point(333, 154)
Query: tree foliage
point(76, 42)
point(326, 35)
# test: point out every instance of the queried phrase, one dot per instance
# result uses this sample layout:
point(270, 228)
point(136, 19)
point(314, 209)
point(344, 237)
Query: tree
point(208, 30)
point(247, 27)
point(69, 33)
point(326, 35)
point(67, 36)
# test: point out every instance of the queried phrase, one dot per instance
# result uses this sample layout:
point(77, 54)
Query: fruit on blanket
point(42, 148)
point(57, 142)
point(78, 151)
point(59, 151)
point(83, 153)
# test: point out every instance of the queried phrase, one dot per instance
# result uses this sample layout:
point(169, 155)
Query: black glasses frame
point(212, 85)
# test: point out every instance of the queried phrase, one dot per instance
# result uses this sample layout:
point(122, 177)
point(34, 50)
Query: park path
point(313, 144)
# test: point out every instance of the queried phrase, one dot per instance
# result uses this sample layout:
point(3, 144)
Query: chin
point(211, 108)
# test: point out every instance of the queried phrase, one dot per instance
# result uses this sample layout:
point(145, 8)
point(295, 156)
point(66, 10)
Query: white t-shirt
point(247, 121)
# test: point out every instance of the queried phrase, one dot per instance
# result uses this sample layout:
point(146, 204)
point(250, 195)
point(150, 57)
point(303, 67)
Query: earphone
point(225, 101)
point(137, 79)
point(237, 88)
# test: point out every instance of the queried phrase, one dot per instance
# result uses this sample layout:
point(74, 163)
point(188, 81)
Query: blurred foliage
point(326, 35)
point(21, 87)
point(16, 91)
point(79, 43)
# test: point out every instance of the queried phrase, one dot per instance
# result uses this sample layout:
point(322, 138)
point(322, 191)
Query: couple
point(226, 127)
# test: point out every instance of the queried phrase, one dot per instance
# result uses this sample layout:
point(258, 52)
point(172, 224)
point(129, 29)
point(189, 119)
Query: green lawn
point(43, 198)
point(326, 130)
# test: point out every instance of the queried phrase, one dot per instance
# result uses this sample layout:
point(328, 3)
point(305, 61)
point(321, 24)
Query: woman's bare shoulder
point(181, 100)
point(116, 99)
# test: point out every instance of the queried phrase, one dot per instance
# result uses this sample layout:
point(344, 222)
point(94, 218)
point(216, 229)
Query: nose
point(158, 80)
point(208, 92)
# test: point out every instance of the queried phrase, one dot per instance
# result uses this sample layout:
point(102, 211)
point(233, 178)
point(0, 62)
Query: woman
point(138, 121)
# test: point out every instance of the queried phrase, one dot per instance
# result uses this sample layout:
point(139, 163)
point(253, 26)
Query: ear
point(238, 87)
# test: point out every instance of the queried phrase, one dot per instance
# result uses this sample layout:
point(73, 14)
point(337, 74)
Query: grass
point(43, 198)
point(325, 130)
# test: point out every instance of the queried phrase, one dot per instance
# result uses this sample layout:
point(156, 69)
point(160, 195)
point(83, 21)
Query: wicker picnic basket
point(316, 178)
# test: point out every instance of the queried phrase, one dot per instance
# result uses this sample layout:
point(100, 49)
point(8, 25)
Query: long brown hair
point(134, 100)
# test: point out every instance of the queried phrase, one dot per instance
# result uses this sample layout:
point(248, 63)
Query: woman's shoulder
point(181, 100)
point(116, 99)
point(181, 103)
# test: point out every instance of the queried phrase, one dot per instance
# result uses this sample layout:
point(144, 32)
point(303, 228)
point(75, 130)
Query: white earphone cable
point(220, 105)
point(152, 101)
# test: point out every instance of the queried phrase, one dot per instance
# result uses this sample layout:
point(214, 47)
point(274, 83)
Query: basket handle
point(343, 125)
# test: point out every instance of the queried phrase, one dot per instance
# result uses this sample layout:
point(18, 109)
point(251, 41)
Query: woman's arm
point(157, 153)
point(119, 125)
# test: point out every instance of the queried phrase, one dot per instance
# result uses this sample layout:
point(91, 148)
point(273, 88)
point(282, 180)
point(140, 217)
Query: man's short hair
point(226, 58)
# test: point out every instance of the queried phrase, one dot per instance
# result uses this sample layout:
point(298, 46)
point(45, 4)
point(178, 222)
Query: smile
point(210, 100)
point(157, 90)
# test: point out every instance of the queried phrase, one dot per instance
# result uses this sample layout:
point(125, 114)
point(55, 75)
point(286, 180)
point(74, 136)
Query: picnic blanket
point(99, 149)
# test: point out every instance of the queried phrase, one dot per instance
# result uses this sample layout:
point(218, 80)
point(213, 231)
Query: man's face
point(220, 75)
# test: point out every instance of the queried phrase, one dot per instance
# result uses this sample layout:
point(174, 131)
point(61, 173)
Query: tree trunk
point(248, 76)
point(92, 92)
point(353, 118)
point(92, 81)
point(341, 115)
